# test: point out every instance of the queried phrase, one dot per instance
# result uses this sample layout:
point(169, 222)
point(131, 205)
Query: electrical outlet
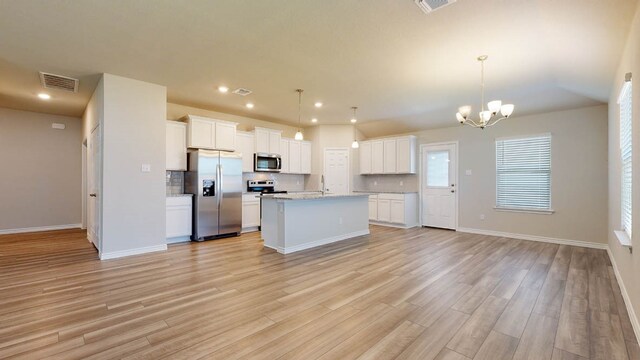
point(401, 183)
point(482, 217)
point(145, 168)
point(468, 172)
point(375, 183)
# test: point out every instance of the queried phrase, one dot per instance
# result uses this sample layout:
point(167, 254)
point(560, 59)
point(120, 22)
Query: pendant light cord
point(299, 108)
point(482, 82)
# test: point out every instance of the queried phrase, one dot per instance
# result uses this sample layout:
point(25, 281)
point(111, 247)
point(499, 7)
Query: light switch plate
point(58, 126)
point(145, 168)
point(468, 172)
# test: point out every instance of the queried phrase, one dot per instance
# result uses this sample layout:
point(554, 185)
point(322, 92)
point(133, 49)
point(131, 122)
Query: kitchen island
point(294, 222)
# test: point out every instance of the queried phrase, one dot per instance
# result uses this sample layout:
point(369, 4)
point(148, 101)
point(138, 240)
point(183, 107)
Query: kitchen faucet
point(322, 183)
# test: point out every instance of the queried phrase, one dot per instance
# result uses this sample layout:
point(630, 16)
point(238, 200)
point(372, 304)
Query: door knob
point(453, 191)
point(92, 195)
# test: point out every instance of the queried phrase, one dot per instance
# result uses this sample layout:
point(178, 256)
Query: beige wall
point(176, 111)
point(41, 170)
point(628, 264)
point(133, 202)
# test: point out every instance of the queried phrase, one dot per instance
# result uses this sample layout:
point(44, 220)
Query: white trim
point(250, 229)
point(528, 136)
point(398, 226)
point(528, 211)
point(623, 92)
point(40, 228)
point(329, 240)
point(178, 239)
point(581, 243)
point(420, 179)
point(623, 238)
point(138, 251)
point(625, 296)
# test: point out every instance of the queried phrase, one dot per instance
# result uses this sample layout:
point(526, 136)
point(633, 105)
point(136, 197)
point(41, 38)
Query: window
point(625, 156)
point(523, 173)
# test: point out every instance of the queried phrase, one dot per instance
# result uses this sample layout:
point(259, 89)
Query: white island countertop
point(311, 196)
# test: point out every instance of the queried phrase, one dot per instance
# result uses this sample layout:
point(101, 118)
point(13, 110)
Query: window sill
point(623, 238)
point(526, 211)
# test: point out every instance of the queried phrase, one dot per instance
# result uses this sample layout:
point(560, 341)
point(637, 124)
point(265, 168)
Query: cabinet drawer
point(249, 198)
point(179, 201)
point(398, 197)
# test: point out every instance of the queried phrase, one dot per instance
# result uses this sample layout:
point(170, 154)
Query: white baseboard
point(399, 226)
point(250, 229)
point(625, 296)
point(292, 249)
point(586, 244)
point(40, 228)
point(178, 239)
point(138, 251)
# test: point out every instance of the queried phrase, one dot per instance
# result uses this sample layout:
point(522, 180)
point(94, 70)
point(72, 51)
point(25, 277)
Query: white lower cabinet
point(250, 212)
point(400, 210)
point(179, 215)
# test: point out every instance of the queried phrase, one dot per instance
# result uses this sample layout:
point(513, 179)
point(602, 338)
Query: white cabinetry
point(250, 212)
point(388, 156)
point(365, 157)
point(176, 154)
point(305, 157)
point(399, 210)
point(178, 225)
point(295, 166)
point(205, 133)
point(284, 156)
point(268, 140)
point(245, 145)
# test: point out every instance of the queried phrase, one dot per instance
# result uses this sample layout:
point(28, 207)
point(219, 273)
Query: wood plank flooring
point(395, 294)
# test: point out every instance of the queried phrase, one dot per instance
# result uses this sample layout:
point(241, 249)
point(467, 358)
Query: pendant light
point(355, 143)
point(299, 135)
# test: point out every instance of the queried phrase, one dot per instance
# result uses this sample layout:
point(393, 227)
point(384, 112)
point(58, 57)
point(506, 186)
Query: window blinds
point(625, 156)
point(523, 173)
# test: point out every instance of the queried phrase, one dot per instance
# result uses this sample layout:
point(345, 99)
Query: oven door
point(267, 162)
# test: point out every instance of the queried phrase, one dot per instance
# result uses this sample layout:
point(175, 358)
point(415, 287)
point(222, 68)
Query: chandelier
point(487, 117)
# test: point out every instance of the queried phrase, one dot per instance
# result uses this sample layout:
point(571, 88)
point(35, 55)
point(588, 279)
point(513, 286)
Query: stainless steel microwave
point(264, 162)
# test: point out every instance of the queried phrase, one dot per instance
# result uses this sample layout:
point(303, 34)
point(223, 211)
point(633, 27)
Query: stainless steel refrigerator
point(215, 179)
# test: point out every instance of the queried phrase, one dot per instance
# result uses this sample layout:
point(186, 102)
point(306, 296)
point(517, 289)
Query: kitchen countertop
point(311, 196)
point(179, 195)
point(385, 192)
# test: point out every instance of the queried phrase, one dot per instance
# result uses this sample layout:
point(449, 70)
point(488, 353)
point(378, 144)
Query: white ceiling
point(404, 69)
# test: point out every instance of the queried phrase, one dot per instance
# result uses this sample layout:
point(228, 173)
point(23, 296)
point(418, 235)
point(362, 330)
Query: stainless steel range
point(262, 187)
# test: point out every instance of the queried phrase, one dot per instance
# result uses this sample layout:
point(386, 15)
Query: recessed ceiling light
point(223, 89)
point(44, 96)
point(314, 120)
point(353, 121)
point(318, 104)
point(249, 105)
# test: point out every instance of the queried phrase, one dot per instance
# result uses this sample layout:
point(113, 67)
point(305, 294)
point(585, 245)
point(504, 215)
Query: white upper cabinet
point(284, 156)
point(406, 155)
point(245, 145)
point(176, 154)
point(305, 157)
point(205, 133)
point(365, 157)
point(295, 152)
point(268, 140)
point(388, 156)
point(389, 165)
point(225, 136)
point(377, 157)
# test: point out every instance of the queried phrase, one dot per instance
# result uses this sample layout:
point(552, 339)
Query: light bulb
point(507, 110)
point(299, 136)
point(494, 106)
point(355, 144)
point(354, 120)
point(460, 118)
point(223, 89)
point(44, 96)
point(314, 120)
point(485, 115)
point(318, 104)
point(249, 105)
point(465, 111)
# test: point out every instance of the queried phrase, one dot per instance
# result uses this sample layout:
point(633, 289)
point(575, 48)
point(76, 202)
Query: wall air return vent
point(242, 91)
point(428, 6)
point(59, 82)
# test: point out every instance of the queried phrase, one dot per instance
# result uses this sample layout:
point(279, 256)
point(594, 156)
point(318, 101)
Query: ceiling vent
point(242, 91)
point(427, 6)
point(59, 82)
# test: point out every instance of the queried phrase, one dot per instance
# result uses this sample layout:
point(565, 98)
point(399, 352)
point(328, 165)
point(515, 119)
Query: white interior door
point(439, 187)
point(93, 186)
point(336, 170)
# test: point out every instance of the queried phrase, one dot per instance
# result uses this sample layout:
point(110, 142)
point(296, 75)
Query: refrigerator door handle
point(221, 176)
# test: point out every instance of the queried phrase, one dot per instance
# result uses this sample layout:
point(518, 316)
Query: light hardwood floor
point(395, 294)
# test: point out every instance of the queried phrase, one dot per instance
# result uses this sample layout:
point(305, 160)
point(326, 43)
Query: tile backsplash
point(384, 183)
point(175, 182)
